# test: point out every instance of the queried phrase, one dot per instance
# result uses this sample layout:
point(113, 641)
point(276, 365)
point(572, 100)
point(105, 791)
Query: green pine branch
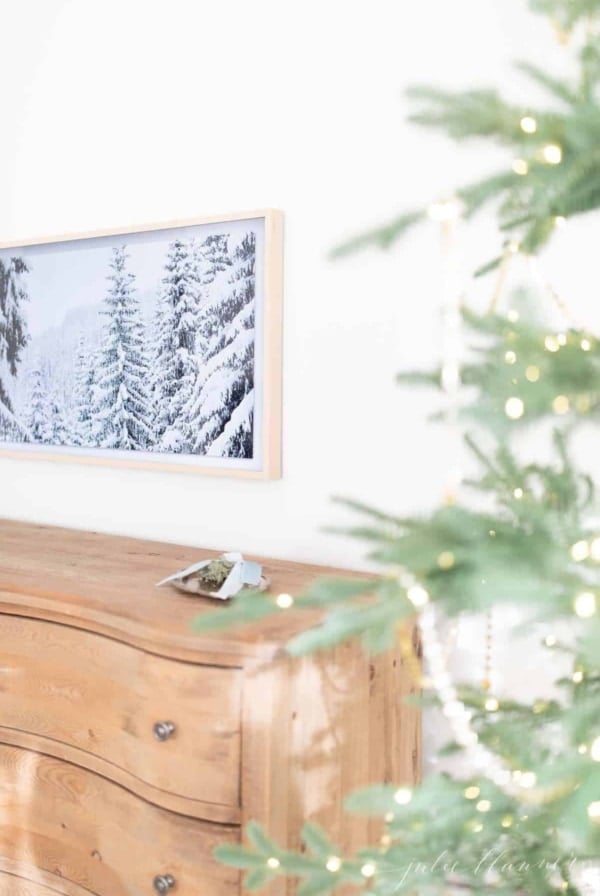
point(567, 13)
point(552, 162)
point(523, 534)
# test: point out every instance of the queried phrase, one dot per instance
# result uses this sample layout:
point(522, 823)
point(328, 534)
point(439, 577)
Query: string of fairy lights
point(585, 603)
point(520, 782)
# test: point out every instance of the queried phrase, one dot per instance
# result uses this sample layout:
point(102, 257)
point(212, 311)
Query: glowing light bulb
point(284, 601)
point(514, 408)
point(513, 247)
point(550, 641)
point(450, 377)
point(586, 345)
point(552, 344)
point(577, 676)
point(510, 357)
point(561, 338)
point(520, 166)
point(560, 221)
point(513, 316)
point(507, 821)
point(528, 124)
point(582, 749)
point(552, 154)
point(446, 560)
point(580, 551)
point(403, 796)
point(527, 779)
point(532, 373)
point(445, 210)
point(483, 806)
point(491, 704)
point(471, 793)
point(418, 596)
point(333, 864)
point(273, 863)
point(595, 750)
point(518, 493)
point(368, 870)
point(561, 405)
point(585, 604)
point(593, 811)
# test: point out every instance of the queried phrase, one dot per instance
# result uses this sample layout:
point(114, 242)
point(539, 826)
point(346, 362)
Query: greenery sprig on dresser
point(526, 818)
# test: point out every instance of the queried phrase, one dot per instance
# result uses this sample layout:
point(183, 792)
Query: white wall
point(127, 111)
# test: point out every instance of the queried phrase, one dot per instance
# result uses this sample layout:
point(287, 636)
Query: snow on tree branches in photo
point(165, 369)
point(121, 403)
point(221, 409)
point(13, 339)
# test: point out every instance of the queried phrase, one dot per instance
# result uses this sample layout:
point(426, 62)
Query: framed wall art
point(158, 346)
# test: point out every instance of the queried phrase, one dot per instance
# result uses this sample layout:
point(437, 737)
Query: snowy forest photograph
point(147, 343)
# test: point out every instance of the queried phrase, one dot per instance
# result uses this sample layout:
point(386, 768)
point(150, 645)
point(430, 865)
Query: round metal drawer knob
point(163, 731)
point(163, 883)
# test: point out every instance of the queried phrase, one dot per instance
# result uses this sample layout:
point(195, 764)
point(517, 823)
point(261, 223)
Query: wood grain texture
point(81, 828)
point(214, 812)
point(106, 584)
point(14, 886)
point(16, 882)
point(325, 726)
point(102, 698)
point(270, 375)
point(92, 654)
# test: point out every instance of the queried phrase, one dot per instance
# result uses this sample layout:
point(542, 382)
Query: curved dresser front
point(131, 747)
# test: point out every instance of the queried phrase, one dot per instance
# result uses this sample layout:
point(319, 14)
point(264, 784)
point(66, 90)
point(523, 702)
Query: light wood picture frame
point(155, 347)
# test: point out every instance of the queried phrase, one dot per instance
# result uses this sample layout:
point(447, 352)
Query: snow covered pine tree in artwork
point(13, 339)
point(37, 404)
point(220, 413)
point(212, 257)
point(175, 364)
point(123, 413)
point(81, 422)
point(175, 375)
point(56, 432)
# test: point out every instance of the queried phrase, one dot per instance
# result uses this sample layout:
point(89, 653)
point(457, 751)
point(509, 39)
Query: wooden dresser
point(131, 746)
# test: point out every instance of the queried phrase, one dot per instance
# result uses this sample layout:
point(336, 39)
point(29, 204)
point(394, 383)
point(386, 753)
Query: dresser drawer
point(78, 828)
point(16, 886)
point(97, 702)
point(16, 882)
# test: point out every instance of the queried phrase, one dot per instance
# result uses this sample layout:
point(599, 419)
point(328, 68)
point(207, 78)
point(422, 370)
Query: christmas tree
point(174, 363)
point(211, 259)
point(55, 431)
point(122, 405)
point(13, 339)
point(38, 410)
point(221, 408)
point(523, 814)
point(83, 396)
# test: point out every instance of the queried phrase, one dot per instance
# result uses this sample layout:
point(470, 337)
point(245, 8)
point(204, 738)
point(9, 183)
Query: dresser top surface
point(107, 584)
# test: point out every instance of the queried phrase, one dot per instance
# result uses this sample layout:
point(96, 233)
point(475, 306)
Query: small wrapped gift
point(221, 578)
